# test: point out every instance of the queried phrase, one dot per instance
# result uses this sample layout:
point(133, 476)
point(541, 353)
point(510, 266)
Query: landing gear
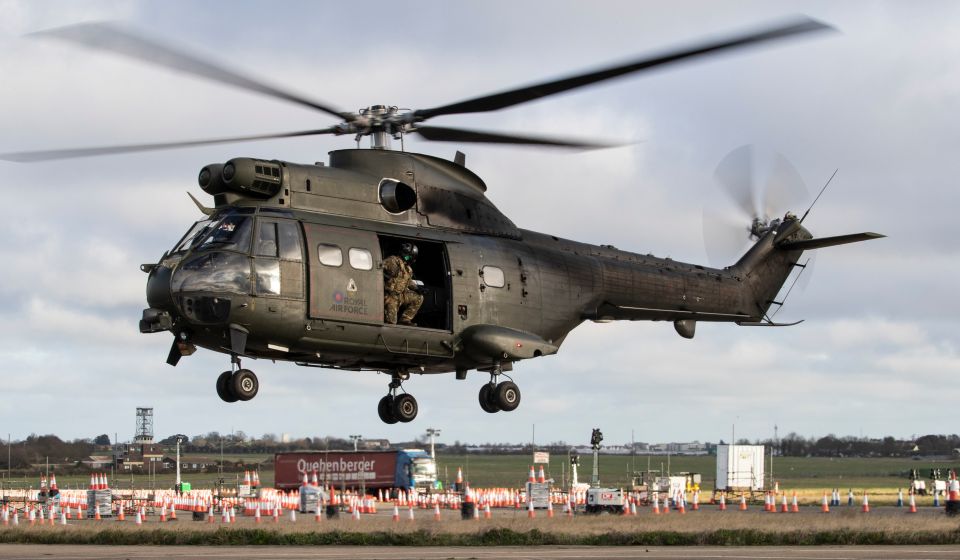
point(495, 397)
point(239, 385)
point(394, 408)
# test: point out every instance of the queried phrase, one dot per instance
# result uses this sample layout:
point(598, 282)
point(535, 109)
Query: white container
point(740, 467)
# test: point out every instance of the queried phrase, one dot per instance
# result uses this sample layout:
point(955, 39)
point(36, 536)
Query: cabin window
point(361, 259)
point(330, 255)
point(493, 277)
point(267, 240)
point(289, 241)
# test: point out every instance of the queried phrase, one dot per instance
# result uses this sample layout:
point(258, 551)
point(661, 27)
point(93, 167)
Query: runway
point(84, 552)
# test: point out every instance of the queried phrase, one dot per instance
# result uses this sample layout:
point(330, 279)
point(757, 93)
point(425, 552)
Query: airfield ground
point(881, 478)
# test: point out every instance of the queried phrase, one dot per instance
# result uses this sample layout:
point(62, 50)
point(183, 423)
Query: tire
point(507, 396)
point(385, 410)
point(487, 403)
point(245, 384)
point(405, 407)
point(225, 387)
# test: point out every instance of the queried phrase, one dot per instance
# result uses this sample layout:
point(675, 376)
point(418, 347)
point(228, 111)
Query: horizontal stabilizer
point(820, 242)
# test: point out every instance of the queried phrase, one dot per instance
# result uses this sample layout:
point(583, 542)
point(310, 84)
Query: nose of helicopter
point(158, 288)
point(158, 317)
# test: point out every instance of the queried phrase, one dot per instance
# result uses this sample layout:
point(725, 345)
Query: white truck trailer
point(740, 468)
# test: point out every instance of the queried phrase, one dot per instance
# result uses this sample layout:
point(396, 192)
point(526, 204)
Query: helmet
point(409, 252)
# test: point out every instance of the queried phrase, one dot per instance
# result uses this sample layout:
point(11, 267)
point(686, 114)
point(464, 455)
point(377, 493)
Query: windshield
point(198, 230)
point(424, 469)
point(230, 232)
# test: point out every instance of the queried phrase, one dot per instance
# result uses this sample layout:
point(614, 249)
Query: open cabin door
point(345, 282)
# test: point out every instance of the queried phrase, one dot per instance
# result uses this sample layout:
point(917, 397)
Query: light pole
point(356, 439)
point(433, 432)
point(178, 462)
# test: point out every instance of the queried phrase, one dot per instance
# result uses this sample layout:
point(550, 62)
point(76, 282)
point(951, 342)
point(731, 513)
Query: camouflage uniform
point(397, 292)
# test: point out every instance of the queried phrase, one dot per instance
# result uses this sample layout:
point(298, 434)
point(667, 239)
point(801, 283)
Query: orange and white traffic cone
point(696, 501)
point(783, 503)
point(163, 512)
point(550, 509)
point(825, 505)
point(913, 504)
point(436, 512)
point(723, 502)
point(120, 513)
point(139, 520)
point(865, 508)
point(743, 502)
point(532, 477)
point(486, 511)
point(541, 478)
point(531, 513)
point(410, 515)
point(256, 514)
point(396, 512)
point(293, 515)
point(794, 506)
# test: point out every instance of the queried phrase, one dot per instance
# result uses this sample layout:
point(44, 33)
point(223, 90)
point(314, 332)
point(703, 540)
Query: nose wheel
point(495, 397)
point(394, 407)
point(239, 385)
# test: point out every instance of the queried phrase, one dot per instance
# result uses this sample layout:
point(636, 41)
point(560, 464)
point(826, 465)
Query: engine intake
point(245, 176)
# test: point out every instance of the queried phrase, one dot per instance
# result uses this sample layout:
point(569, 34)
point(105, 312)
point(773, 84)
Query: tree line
point(36, 450)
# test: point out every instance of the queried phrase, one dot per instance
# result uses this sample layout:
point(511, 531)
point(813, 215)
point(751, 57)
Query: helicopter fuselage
point(288, 267)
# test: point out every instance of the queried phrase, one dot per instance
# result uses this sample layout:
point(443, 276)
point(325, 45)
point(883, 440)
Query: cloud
point(874, 101)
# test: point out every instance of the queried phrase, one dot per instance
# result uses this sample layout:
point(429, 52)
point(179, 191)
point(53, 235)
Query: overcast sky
point(877, 353)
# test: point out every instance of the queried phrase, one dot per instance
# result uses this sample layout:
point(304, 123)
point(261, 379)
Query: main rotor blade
point(47, 155)
point(522, 95)
point(445, 134)
point(115, 39)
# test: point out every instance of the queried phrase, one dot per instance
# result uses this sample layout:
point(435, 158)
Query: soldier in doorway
point(400, 292)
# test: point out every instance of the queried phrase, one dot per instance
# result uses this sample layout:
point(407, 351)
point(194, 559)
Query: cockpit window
point(231, 232)
point(198, 230)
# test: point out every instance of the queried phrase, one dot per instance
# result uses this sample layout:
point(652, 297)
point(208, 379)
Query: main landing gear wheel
point(495, 396)
point(405, 407)
point(394, 408)
point(507, 396)
point(224, 391)
point(240, 385)
point(385, 410)
point(244, 384)
point(487, 402)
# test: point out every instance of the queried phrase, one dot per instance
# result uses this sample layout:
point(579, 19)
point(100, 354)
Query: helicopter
point(288, 263)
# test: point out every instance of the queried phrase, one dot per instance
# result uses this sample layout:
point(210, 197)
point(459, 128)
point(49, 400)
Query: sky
point(877, 353)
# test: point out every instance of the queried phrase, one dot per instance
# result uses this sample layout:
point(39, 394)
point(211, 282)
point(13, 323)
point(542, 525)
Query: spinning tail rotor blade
point(48, 155)
point(723, 237)
point(114, 38)
point(784, 189)
point(735, 175)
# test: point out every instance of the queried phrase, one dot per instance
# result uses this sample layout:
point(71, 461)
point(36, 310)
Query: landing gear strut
point(394, 408)
point(495, 396)
point(237, 384)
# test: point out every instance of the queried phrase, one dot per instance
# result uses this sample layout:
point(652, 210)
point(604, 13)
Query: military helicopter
point(288, 262)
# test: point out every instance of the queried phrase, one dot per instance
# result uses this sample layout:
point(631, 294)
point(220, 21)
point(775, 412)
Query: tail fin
point(766, 266)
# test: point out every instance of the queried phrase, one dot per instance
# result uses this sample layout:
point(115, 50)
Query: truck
point(404, 469)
